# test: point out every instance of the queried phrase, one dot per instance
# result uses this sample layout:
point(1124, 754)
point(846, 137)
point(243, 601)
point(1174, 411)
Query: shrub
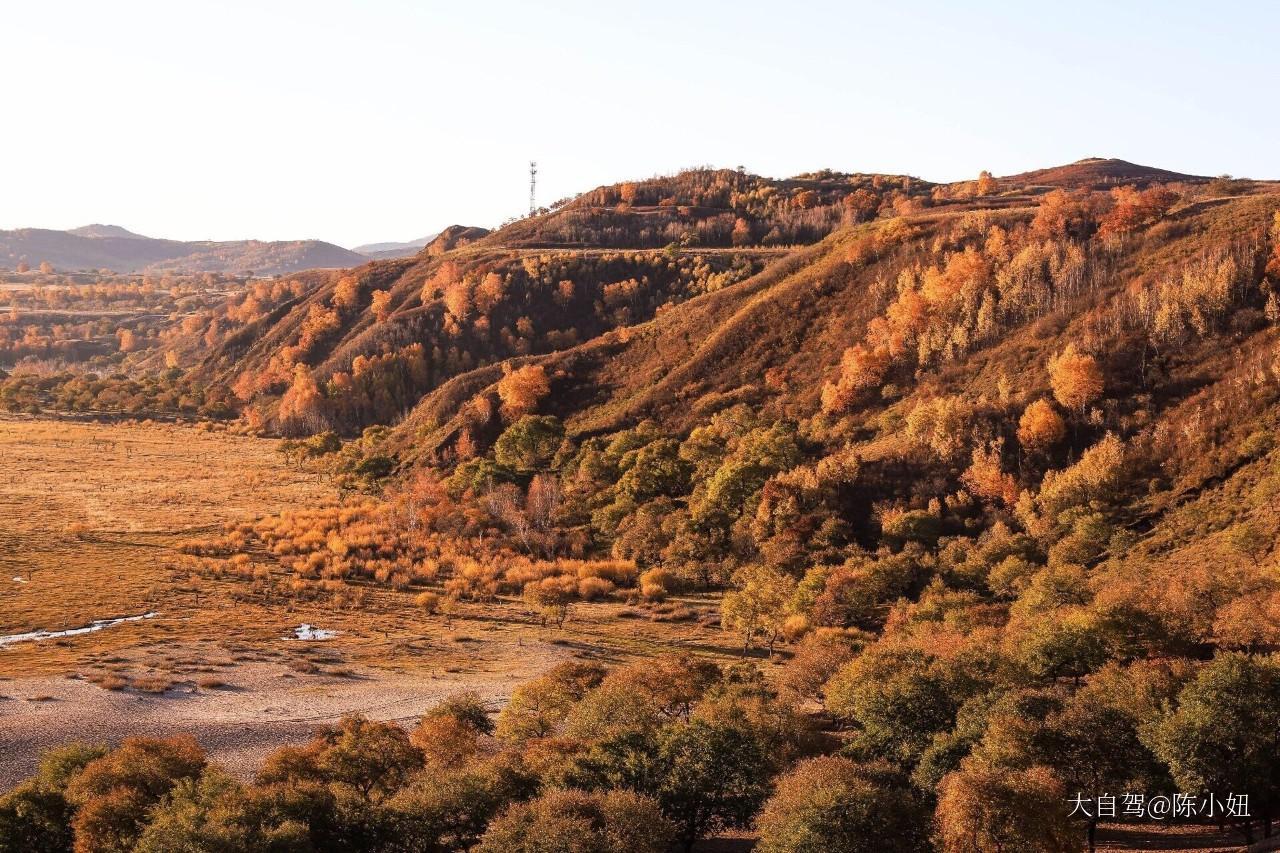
point(656, 584)
point(593, 589)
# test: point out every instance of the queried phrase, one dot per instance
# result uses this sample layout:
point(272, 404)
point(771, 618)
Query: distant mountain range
point(387, 251)
point(97, 247)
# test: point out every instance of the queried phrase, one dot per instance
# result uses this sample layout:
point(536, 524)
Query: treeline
point(169, 392)
point(646, 758)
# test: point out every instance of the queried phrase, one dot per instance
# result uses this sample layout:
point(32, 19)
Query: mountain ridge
point(95, 247)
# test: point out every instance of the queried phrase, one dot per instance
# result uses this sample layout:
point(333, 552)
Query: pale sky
point(376, 120)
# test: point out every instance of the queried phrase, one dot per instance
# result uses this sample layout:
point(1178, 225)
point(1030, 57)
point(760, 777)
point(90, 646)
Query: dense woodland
point(990, 470)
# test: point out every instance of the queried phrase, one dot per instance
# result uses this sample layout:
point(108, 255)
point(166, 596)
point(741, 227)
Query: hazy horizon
point(390, 120)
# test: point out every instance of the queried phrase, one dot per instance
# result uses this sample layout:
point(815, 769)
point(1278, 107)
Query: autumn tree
point(380, 305)
point(1040, 427)
point(1063, 214)
point(833, 805)
point(899, 698)
point(215, 813)
point(346, 293)
point(987, 478)
point(372, 759)
point(530, 443)
point(552, 598)
point(1249, 540)
point(757, 606)
point(1224, 734)
point(447, 809)
point(710, 777)
point(452, 732)
point(819, 655)
point(987, 184)
point(569, 821)
point(538, 707)
point(522, 389)
point(112, 793)
point(301, 407)
point(1131, 209)
point(861, 368)
point(36, 816)
point(985, 809)
point(1075, 377)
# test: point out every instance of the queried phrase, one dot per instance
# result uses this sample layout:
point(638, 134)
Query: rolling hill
point(111, 247)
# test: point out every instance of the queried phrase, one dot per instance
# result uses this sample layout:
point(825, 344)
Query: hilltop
point(1100, 173)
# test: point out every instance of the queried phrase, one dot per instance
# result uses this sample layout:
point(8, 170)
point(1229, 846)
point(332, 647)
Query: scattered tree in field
point(758, 605)
point(552, 598)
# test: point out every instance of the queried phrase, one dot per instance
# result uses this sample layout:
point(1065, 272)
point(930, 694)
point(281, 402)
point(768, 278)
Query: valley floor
point(90, 516)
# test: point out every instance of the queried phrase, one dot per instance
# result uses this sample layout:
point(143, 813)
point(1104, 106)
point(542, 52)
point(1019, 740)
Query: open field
point(89, 517)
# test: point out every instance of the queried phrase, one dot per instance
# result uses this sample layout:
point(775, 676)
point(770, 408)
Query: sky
point(374, 120)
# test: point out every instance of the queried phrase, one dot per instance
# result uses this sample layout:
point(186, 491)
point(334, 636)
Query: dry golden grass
point(89, 514)
point(92, 517)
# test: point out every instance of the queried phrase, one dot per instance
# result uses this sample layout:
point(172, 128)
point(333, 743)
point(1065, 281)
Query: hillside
point(111, 247)
point(977, 481)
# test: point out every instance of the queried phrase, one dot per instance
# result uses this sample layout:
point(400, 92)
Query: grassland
point(90, 515)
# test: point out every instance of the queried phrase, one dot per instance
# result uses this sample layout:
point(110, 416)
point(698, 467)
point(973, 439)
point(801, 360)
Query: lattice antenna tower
point(533, 186)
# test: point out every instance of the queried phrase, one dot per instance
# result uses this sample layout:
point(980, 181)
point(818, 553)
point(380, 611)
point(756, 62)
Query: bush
point(657, 584)
point(594, 589)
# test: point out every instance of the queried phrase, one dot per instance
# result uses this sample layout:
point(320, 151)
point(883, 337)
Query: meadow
point(91, 515)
